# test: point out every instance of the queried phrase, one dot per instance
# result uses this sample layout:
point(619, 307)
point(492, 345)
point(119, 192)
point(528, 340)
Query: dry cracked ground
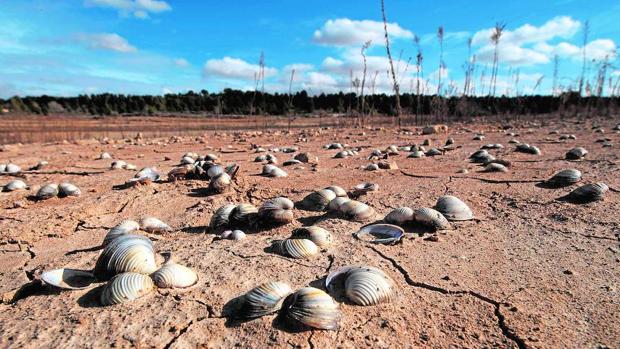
point(529, 272)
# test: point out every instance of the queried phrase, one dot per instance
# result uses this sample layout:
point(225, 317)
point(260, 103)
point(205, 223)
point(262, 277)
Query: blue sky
point(70, 47)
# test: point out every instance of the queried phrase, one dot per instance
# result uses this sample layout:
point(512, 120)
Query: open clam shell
point(366, 187)
point(126, 253)
point(321, 237)
point(263, 300)
point(296, 248)
point(386, 234)
point(399, 216)
point(453, 208)
point(313, 308)
point(126, 287)
point(69, 279)
point(431, 218)
point(173, 275)
point(154, 225)
point(564, 178)
point(588, 193)
point(124, 227)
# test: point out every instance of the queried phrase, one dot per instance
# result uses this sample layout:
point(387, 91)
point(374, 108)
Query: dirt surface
point(528, 272)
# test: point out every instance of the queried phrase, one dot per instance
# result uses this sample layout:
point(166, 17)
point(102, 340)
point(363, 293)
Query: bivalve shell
point(576, 153)
point(277, 210)
point(154, 225)
point(68, 279)
point(47, 191)
point(313, 308)
point(356, 211)
point(220, 218)
point(564, 178)
point(588, 193)
point(68, 189)
point(126, 287)
point(386, 234)
point(126, 253)
point(320, 237)
point(173, 275)
point(296, 248)
point(318, 200)
point(399, 216)
point(431, 218)
point(16, 184)
point(263, 300)
point(124, 227)
point(453, 208)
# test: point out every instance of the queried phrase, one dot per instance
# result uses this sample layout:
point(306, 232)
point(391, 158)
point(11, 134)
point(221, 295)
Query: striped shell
point(69, 279)
point(124, 227)
point(317, 200)
point(356, 211)
point(16, 184)
point(220, 218)
point(47, 191)
point(296, 248)
point(154, 225)
point(565, 178)
point(588, 193)
point(263, 299)
point(318, 235)
point(431, 218)
point(277, 210)
point(126, 287)
point(386, 234)
point(126, 253)
point(67, 189)
point(368, 286)
point(242, 215)
point(453, 208)
point(173, 275)
point(313, 308)
point(399, 216)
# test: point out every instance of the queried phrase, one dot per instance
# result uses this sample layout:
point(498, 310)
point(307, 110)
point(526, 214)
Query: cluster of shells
point(231, 217)
point(220, 177)
point(334, 199)
point(127, 264)
point(52, 190)
point(10, 168)
point(120, 164)
point(313, 308)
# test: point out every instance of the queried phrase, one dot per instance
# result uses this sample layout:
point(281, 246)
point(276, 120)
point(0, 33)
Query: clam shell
point(126, 287)
point(67, 189)
point(371, 167)
point(433, 152)
point(313, 308)
point(339, 191)
point(399, 216)
point(528, 149)
point(263, 299)
point(274, 171)
point(220, 218)
point(386, 234)
point(335, 204)
point(214, 171)
point(291, 162)
point(124, 227)
point(576, 153)
point(431, 218)
point(16, 184)
point(341, 154)
point(260, 158)
point(105, 156)
point(277, 210)
point(118, 165)
point(219, 183)
point(69, 279)
point(237, 235)
point(356, 211)
point(242, 215)
point(126, 253)
point(565, 178)
point(368, 286)
point(186, 160)
point(453, 208)
point(173, 275)
point(366, 187)
point(296, 248)
point(12, 168)
point(318, 200)
point(588, 193)
point(47, 191)
point(416, 154)
point(495, 167)
point(318, 235)
point(154, 225)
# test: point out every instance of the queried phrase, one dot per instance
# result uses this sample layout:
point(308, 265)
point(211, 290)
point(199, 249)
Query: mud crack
point(501, 319)
point(182, 331)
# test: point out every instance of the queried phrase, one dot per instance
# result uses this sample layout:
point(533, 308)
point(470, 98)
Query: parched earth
point(528, 272)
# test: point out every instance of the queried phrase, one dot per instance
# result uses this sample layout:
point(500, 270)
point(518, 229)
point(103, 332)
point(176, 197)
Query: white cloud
point(299, 67)
point(512, 54)
point(346, 32)
point(181, 62)
point(107, 41)
point(558, 27)
point(595, 50)
point(138, 8)
point(234, 68)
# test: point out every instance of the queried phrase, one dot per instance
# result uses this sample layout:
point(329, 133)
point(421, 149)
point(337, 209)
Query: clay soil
point(528, 272)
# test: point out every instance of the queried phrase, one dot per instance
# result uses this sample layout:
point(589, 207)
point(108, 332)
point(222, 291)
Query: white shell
point(173, 275)
point(12, 168)
point(16, 184)
point(237, 235)
point(118, 164)
point(318, 235)
point(356, 211)
point(277, 210)
point(47, 191)
point(565, 177)
point(317, 200)
point(495, 167)
point(399, 216)
point(68, 189)
point(126, 253)
point(339, 191)
point(154, 225)
point(431, 218)
point(124, 227)
point(126, 287)
point(335, 204)
point(387, 234)
point(368, 286)
point(70, 279)
point(219, 183)
point(453, 208)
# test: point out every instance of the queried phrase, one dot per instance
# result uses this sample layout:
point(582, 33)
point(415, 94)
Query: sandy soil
point(529, 272)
